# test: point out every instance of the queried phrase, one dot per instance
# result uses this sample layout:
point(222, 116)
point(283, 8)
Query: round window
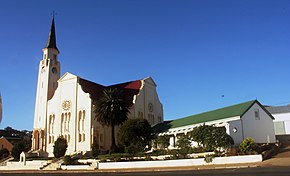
point(235, 130)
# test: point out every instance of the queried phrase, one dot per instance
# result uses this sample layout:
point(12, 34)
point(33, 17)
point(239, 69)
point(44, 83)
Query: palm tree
point(112, 110)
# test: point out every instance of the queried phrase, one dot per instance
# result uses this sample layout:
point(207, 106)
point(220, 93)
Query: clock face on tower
point(54, 70)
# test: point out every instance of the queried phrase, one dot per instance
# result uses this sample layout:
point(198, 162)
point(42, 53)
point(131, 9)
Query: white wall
point(53, 108)
point(84, 103)
point(285, 118)
point(238, 135)
point(70, 90)
point(147, 95)
point(180, 163)
point(262, 131)
point(66, 91)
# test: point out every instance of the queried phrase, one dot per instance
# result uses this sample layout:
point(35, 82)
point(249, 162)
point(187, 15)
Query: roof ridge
point(222, 108)
point(217, 114)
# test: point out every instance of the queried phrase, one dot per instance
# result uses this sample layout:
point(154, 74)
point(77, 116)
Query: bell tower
point(48, 75)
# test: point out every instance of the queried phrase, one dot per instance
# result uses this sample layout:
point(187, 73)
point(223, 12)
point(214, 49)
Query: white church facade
point(64, 106)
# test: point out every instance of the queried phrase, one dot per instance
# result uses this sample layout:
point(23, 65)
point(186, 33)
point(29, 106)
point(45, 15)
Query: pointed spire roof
point(51, 42)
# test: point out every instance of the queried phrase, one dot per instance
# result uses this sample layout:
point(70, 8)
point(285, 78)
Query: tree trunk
point(113, 146)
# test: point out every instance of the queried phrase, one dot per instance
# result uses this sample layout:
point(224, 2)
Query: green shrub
point(4, 153)
point(59, 147)
point(159, 152)
point(95, 149)
point(247, 146)
point(148, 158)
point(17, 149)
point(184, 146)
point(233, 151)
point(174, 154)
point(162, 142)
point(196, 150)
point(208, 158)
point(67, 160)
point(134, 135)
point(132, 149)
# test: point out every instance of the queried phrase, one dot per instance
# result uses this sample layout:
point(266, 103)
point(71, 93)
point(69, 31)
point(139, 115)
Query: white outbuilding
point(282, 119)
point(248, 119)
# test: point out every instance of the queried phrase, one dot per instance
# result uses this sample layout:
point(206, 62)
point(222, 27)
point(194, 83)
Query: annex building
point(64, 105)
point(282, 119)
point(247, 119)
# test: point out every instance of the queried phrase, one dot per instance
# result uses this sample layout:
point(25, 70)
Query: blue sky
point(196, 51)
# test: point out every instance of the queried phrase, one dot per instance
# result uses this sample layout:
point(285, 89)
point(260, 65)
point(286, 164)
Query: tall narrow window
point(68, 121)
point(81, 126)
point(64, 125)
point(140, 114)
point(257, 114)
point(61, 123)
point(51, 129)
point(159, 119)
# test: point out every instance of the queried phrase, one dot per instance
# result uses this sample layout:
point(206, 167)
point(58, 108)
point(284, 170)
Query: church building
point(64, 106)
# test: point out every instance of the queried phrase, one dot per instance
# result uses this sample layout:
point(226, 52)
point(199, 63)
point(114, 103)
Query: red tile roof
point(130, 89)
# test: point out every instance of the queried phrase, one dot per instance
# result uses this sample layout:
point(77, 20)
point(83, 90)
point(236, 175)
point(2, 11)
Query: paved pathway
point(281, 159)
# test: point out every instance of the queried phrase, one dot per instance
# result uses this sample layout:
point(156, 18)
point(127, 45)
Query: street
point(257, 171)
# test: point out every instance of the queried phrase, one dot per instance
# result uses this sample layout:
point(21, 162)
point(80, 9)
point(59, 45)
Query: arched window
point(64, 125)
point(61, 123)
point(51, 129)
point(68, 121)
point(81, 125)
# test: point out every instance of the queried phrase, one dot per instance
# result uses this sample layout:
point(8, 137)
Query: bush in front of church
point(95, 148)
point(59, 147)
point(134, 135)
point(4, 153)
point(17, 149)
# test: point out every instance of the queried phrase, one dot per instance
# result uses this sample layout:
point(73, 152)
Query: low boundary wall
point(180, 162)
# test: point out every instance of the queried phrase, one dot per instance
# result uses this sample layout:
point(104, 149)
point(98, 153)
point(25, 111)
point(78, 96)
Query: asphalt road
point(258, 171)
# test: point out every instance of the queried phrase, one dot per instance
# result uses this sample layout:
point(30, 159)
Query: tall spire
point(51, 42)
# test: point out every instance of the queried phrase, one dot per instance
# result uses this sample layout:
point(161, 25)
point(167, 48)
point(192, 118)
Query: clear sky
point(203, 54)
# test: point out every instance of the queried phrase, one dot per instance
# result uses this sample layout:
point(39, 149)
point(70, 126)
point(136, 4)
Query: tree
point(198, 134)
point(134, 135)
point(8, 128)
point(17, 149)
point(162, 142)
point(184, 145)
point(211, 137)
point(59, 147)
point(112, 110)
point(221, 139)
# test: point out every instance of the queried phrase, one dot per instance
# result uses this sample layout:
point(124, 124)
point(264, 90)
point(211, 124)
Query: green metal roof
point(223, 113)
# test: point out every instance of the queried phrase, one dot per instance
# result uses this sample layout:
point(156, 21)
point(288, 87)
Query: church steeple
point(48, 75)
point(51, 42)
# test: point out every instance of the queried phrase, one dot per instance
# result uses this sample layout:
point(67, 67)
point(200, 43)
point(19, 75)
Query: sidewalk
point(208, 167)
point(282, 159)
